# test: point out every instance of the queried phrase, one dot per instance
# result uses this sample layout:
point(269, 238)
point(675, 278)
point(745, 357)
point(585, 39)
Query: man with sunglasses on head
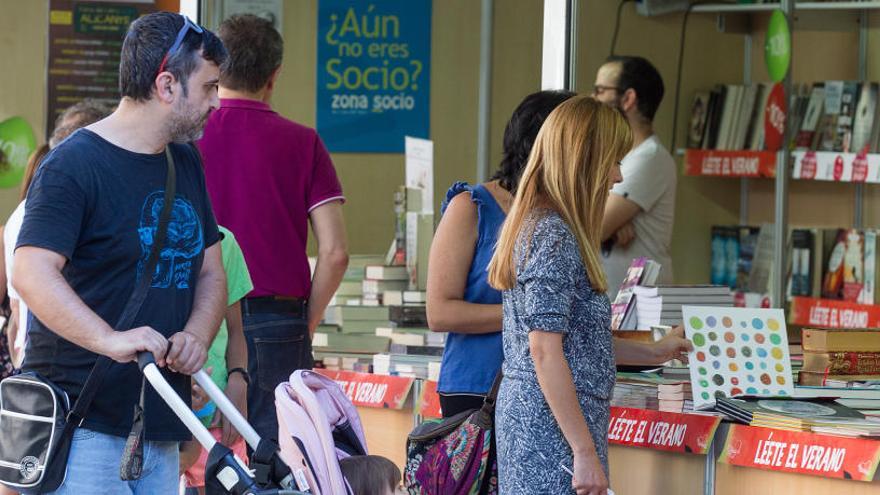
point(270, 179)
point(90, 224)
point(640, 211)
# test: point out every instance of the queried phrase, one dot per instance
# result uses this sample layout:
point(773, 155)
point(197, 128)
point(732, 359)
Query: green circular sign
point(777, 46)
point(17, 142)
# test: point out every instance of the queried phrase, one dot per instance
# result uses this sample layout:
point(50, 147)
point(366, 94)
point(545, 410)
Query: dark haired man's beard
point(187, 125)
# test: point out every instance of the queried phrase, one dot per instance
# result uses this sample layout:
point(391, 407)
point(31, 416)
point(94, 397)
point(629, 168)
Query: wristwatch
point(242, 371)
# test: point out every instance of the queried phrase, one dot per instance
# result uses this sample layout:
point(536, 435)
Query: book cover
point(737, 351)
point(699, 114)
point(716, 103)
point(728, 115)
point(821, 379)
point(813, 115)
point(409, 316)
point(826, 138)
point(869, 291)
point(624, 299)
point(767, 409)
point(835, 251)
point(828, 340)
point(364, 313)
point(746, 113)
point(802, 262)
point(755, 136)
point(853, 266)
point(842, 363)
point(380, 272)
point(863, 126)
point(846, 117)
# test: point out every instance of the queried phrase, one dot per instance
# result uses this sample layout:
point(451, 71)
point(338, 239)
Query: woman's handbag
point(36, 420)
point(456, 455)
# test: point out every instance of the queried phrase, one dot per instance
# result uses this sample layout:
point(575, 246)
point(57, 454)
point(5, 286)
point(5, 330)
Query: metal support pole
point(555, 60)
point(709, 469)
point(744, 182)
point(571, 45)
point(485, 92)
point(783, 171)
point(859, 207)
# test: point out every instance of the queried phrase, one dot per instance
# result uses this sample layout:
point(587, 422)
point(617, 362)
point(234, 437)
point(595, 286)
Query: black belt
point(296, 307)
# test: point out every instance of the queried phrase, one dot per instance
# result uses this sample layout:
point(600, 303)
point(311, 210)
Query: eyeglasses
point(598, 89)
point(187, 25)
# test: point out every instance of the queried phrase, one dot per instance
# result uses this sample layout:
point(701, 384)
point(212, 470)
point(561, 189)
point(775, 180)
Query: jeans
point(277, 346)
point(93, 467)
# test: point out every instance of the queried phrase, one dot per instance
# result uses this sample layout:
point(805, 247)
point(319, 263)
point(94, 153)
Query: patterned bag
point(455, 456)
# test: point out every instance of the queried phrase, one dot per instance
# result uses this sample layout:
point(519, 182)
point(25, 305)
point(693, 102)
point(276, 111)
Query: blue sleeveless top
point(471, 361)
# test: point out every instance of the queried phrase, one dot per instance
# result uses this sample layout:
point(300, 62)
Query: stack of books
point(379, 280)
point(653, 391)
point(820, 416)
point(426, 367)
point(675, 397)
point(350, 291)
point(634, 393)
point(839, 357)
point(661, 305)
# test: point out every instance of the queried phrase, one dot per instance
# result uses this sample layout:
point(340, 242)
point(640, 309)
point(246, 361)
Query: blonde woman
point(553, 407)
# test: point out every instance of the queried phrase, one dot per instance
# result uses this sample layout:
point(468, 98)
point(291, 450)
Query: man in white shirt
point(640, 211)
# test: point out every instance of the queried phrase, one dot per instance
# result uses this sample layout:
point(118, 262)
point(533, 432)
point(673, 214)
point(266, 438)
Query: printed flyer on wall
point(373, 74)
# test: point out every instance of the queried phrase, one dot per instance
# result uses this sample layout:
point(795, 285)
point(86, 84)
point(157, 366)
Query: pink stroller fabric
point(317, 426)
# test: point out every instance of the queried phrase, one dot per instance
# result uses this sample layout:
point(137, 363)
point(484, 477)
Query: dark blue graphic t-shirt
point(98, 205)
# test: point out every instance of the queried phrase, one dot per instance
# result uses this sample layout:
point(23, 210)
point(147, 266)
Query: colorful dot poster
point(737, 351)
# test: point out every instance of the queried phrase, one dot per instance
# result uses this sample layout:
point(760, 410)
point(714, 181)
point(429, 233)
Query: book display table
point(737, 458)
point(670, 454)
point(652, 451)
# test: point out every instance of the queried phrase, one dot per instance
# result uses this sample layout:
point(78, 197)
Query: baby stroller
point(317, 427)
point(225, 473)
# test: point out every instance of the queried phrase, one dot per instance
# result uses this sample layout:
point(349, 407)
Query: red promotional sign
point(369, 390)
point(774, 118)
point(716, 163)
point(828, 313)
point(809, 165)
point(429, 402)
point(801, 452)
point(674, 432)
point(860, 167)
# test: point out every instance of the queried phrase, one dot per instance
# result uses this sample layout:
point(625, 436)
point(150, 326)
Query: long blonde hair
point(568, 171)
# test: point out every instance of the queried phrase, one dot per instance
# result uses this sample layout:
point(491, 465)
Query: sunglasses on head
point(178, 41)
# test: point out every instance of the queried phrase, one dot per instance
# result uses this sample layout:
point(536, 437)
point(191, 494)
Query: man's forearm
point(51, 299)
point(328, 274)
point(208, 306)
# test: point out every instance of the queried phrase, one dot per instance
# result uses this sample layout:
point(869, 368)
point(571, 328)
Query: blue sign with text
point(373, 73)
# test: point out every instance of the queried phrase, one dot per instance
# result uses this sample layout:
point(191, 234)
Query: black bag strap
point(96, 375)
point(489, 401)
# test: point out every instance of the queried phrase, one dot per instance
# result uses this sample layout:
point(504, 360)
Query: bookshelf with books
point(840, 147)
point(831, 131)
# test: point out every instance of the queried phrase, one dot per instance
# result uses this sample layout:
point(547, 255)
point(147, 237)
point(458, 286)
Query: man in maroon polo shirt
point(268, 178)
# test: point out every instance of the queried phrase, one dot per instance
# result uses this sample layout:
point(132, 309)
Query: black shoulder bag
point(36, 420)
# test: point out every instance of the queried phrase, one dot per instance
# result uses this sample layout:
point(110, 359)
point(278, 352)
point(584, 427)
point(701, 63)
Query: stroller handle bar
point(223, 403)
point(147, 363)
point(228, 409)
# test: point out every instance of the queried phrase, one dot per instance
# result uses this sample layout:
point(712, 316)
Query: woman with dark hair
point(460, 300)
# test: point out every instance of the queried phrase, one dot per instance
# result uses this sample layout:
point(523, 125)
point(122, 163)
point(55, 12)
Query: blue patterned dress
point(552, 294)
